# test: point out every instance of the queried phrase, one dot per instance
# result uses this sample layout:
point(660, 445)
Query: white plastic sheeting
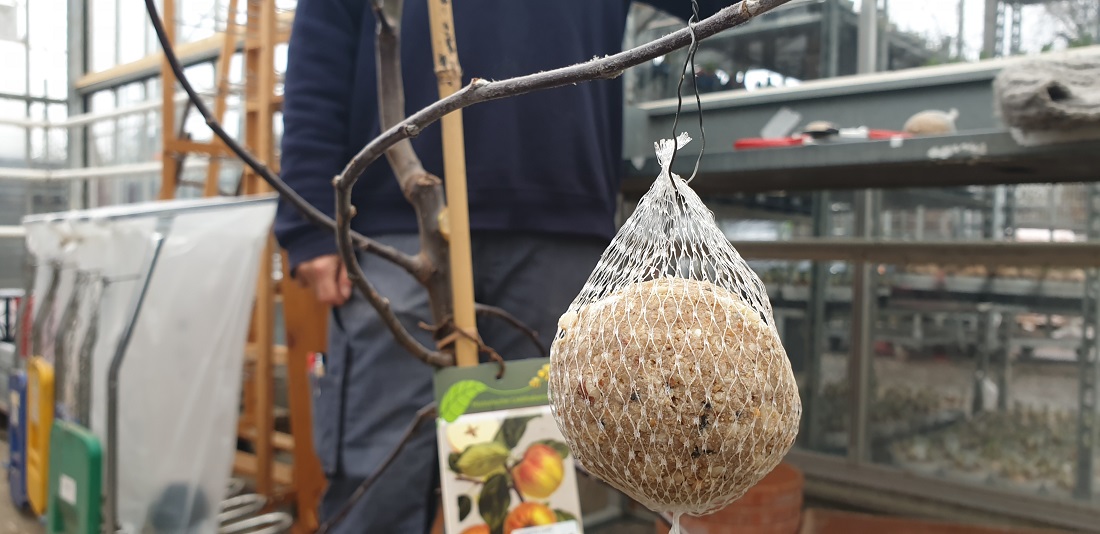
point(179, 385)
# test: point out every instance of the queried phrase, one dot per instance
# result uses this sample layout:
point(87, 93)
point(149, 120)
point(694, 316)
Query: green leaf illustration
point(563, 516)
point(464, 506)
point(559, 446)
point(512, 430)
point(494, 501)
point(458, 399)
point(482, 459)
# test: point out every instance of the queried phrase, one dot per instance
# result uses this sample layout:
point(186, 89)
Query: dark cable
point(424, 414)
point(698, 99)
point(307, 210)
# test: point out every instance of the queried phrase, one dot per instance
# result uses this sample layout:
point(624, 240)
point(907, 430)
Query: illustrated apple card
point(504, 466)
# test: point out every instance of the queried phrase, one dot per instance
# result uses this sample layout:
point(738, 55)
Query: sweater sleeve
point(321, 62)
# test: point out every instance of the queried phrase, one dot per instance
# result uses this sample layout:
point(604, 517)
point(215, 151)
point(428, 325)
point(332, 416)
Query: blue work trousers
point(371, 387)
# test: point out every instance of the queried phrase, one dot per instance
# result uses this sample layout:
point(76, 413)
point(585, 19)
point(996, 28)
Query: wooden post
point(306, 321)
point(169, 179)
point(210, 186)
point(449, 74)
point(260, 68)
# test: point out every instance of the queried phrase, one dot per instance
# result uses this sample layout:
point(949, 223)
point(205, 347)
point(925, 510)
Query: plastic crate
point(76, 470)
point(17, 439)
point(39, 424)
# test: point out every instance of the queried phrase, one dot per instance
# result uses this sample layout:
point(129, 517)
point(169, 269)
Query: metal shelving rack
point(1089, 360)
point(987, 302)
point(862, 178)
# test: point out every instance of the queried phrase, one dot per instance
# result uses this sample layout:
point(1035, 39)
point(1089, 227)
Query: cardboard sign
point(503, 463)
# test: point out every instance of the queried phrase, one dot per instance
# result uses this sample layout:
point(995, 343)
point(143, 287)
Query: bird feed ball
point(667, 376)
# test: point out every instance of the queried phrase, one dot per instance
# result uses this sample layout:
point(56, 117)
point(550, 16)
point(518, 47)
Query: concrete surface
point(13, 521)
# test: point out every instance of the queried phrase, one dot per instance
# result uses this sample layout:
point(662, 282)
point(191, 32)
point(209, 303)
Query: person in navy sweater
point(543, 169)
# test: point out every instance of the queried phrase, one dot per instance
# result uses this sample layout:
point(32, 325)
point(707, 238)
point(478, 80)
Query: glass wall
point(814, 39)
point(974, 370)
point(115, 126)
point(33, 90)
point(134, 137)
point(978, 381)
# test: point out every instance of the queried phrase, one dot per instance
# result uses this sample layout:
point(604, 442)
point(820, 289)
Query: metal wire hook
point(690, 61)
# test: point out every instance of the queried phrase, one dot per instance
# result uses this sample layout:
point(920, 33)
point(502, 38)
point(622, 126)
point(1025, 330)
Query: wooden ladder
point(282, 465)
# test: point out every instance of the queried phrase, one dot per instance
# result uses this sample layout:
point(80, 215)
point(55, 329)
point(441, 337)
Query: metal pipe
point(89, 118)
point(818, 338)
point(182, 207)
point(12, 232)
point(959, 39)
point(989, 29)
point(164, 225)
point(237, 508)
point(985, 252)
point(859, 360)
point(273, 523)
point(867, 42)
point(105, 172)
point(77, 62)
point(1089, 361)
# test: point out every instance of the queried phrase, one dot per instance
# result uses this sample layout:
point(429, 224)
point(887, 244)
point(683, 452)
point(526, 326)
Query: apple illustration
point(477, 529)
point(529, 514)
point(464, 434)
point(539, 474)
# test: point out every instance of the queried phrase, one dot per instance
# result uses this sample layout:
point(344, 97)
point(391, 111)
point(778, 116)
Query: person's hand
point(328, 279)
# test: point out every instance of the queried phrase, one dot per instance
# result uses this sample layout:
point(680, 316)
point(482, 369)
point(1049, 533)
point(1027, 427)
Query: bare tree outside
point(1075, 23)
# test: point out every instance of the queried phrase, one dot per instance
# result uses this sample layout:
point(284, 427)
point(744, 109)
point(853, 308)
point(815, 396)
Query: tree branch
point(381, 304)
point(493, 311)
point(422, 266)
point(391, 88)
point(416, 183)
point(608, 67)
point(424, 414)
point(410, 263)
point(482, 91)
point(421, 189)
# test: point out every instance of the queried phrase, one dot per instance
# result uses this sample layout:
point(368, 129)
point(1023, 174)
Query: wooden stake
point(306, 321)
point(169, 177)
point(210, 187)
point(449, 74)
point(260, 84)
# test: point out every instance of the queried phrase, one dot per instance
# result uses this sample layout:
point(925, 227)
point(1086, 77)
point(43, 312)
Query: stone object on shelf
point(932, 122)
point(1050, 98)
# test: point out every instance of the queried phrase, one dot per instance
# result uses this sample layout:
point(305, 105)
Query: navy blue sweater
point(544, 162)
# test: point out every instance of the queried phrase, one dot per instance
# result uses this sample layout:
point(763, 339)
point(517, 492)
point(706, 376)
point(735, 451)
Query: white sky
point(939, 18)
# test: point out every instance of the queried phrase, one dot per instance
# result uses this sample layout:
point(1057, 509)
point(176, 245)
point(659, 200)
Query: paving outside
point(13, 521)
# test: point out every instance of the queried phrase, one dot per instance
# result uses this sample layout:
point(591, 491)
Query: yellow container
point(40, 411)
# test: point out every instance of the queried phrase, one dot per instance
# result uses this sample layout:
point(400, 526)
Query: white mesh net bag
point(667, 376)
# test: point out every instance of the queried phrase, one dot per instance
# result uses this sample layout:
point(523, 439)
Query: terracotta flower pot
point(774, 506)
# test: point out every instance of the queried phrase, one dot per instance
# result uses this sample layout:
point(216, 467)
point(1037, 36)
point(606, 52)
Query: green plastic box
point(76, 470)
